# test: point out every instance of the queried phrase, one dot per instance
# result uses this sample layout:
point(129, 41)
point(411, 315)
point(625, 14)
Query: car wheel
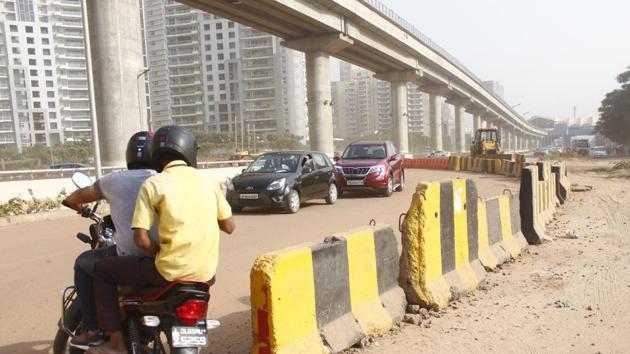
point(331, 198)
point(390, 186)
point(401, 185)
point(293, 202)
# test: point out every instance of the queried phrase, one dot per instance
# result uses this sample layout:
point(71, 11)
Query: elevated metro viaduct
point(367, 34)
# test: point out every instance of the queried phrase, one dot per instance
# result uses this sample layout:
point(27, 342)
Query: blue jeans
point(83, 275)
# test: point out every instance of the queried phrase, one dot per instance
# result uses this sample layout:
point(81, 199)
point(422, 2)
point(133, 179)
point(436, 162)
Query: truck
point(582, 144)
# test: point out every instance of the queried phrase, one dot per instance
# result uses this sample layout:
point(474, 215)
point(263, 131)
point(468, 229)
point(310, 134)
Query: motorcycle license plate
point(355, 182)
point(186, 337)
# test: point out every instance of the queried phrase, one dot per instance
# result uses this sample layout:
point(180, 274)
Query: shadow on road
point(234, 335)
point(41, 346)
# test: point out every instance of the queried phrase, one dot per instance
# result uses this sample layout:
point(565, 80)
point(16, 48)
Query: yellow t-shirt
point(187, 206)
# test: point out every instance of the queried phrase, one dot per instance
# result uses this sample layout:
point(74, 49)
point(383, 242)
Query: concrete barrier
point(500, 236)
point(563, 184)
point(455, 163)
point(436, 163)
point(440, 243)
point(320, 298)
point(537, 200)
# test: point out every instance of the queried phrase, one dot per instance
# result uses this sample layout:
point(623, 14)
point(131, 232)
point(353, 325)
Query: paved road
point(36, 260)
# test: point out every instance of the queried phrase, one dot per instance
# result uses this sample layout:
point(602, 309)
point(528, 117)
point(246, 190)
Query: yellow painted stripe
point(364, 297)
point(430, 231)
point(460, 223)
point(506, 226)
point(283, 290)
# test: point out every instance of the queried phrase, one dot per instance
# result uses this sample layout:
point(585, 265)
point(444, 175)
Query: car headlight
point(230, 184)
point(277, 184)
point(377, 169)
point(339, 169)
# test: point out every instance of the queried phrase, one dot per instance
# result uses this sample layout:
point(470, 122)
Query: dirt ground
point(564, 296)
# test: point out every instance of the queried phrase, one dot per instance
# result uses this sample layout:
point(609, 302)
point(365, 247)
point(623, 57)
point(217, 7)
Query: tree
point(614, 122)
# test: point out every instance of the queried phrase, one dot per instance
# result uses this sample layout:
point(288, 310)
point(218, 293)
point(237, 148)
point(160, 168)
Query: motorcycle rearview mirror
point(81, 180)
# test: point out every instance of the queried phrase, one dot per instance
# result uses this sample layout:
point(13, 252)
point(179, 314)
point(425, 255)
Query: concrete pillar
point(435, 120)
point(318, 96)
point(460, 138)
point(476, 123)
point(507, 142)
point(515, 142)
point(116, 44)
point(484, 123)
point(399, 115)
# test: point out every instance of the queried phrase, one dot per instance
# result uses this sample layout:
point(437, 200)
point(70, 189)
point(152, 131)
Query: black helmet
point(137, 154)
point(172, 142)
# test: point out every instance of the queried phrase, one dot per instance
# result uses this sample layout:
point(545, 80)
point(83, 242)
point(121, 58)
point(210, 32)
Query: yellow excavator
point(486, 143)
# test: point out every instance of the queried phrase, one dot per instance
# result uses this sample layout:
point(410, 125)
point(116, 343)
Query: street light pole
point(90, 77)
point(144, 72)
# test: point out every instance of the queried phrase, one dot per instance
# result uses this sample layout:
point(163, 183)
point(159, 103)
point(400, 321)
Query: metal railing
point(21, 175)
point(409, 28)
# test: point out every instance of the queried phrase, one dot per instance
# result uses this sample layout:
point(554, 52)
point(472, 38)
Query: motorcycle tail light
point(192, 311)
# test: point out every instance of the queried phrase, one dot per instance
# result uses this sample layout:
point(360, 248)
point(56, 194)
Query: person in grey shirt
point(120, 189)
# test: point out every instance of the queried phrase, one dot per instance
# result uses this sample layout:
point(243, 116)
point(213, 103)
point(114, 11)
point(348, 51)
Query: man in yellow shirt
point(190, 212)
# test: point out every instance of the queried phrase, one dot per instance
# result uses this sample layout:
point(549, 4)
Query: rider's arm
point(224, 212)
point(227, 225)
point(142, 240)
point(83, 196)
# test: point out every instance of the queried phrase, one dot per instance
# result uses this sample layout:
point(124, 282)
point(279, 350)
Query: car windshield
point(599, 149)
point(274, 163)
point(364, 151)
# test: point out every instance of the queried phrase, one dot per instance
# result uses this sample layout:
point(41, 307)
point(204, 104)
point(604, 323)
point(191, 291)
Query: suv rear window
point(365, 151)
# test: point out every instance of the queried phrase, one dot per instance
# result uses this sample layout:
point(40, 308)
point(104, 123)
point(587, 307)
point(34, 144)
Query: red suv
point(370, 165)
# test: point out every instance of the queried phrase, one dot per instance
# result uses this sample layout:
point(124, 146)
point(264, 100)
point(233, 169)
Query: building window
point(231, 35)
point(35, 93)
point(232, 45)
point(13, 28)
point(221, 76)
point(30, 40)
point(45, 41)
point(219, 26)
point(16, 50)
point(34, 83)
point(230, 24)
point(220, 46)
point(222, 87)
point(37, 105)
point(32, 62)
point(46, 51)
point(17, 61)
point(52, 115)
point(50, 94)
point(15, 39)
point(232, 55)
point(221, 67)
point(28, 29)
point(49, 84)
point(44, 30)
point(206, 27)
point(219, 35)
point(53, 125)
point(208, 47)
point(207, 37)
point(33, 72)
point(51, 104)
point(220, 56)
point(31, 51)
point(49, 73)
point(47, 62)
point(209, 57)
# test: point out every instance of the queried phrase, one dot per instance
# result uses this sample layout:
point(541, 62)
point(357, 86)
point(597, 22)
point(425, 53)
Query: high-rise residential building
point(210, 73)
point(495, 87)
point(362, 104)
point(43, 79)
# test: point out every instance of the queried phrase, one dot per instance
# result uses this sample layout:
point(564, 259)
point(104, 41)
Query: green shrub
point(19, 206)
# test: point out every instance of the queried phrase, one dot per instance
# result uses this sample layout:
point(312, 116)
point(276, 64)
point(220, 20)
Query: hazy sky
point(548, 54)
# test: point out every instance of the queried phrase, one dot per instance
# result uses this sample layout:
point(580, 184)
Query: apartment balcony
point(187, 104)
point(73, 67)
point(183, 63)
point(75, 109)
point(80, 129)
point(194, 93)
point(75, 99)
point(176, 34)
point(186, 114)
point(68, 35)
point(70, 45)
point(66, 14)
point(257, 57)
point(183, 53)
point(259, 99)
point(74, 78)
point(255, 67)
point(77, 119)
point(194, 73)
point(260, 109)
point(261, 88)
point(73, 87)
point(182, 22)
point(67, 4)
point(185, 84)
point(182, 44)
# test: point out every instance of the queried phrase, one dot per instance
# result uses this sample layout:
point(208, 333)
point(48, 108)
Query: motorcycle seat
point(135, 290)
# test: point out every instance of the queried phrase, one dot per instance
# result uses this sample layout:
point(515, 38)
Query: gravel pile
point(622, 165)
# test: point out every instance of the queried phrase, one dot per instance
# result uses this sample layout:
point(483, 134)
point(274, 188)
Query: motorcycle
point(168, 319)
